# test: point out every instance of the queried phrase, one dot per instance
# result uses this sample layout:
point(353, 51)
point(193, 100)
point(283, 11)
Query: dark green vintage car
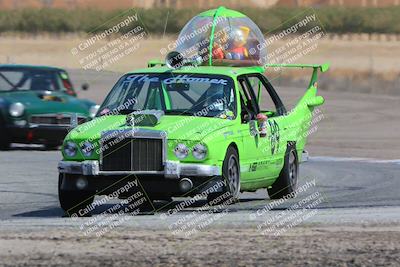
point(38, 104)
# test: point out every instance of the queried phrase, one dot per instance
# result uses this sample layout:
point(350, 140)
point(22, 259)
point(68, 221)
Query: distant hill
point(121, 4)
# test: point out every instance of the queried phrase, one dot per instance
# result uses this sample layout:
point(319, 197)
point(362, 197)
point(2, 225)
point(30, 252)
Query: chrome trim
point(87, 167)
point(191, 169)
point(173, 169)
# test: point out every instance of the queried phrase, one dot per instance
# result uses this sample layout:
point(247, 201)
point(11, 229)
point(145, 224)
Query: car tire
point(287, 180)
point(231, 176)
point(4, 138)
point(73, 201)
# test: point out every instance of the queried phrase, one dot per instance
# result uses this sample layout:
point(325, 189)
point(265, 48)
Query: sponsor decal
point(177, 79)
point(274, 136)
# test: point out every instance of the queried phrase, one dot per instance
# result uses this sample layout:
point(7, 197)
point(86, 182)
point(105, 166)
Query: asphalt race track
point(348, 187)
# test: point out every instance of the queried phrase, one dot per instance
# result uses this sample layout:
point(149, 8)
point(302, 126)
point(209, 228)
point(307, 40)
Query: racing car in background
point(37, 104)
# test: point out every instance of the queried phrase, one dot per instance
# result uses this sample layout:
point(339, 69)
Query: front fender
point(218, 144)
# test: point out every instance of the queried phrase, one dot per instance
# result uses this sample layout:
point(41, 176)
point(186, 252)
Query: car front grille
point(53, 119)
point(132, 154)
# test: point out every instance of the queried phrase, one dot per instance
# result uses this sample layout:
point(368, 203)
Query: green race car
point(37, 104)
point(181, 132)
point(206, 121)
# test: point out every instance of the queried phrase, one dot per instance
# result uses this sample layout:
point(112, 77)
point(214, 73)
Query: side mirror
point(85, 87)
point(316, 101)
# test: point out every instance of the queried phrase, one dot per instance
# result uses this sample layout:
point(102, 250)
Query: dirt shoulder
point(317, 246)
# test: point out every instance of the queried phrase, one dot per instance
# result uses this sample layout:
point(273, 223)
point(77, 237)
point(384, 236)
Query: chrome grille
point(54, 119)
point(132, 154)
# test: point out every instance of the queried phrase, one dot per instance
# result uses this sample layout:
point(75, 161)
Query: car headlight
point(199, 151)
point(93, 110)
point(17, 109)
point(181, 151)
point(87, 149)
point(70, 149)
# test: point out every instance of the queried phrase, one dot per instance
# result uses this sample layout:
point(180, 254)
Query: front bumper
point(172, 169)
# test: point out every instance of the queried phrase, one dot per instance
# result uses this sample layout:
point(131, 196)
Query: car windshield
point(182, 94)
point(28, 79)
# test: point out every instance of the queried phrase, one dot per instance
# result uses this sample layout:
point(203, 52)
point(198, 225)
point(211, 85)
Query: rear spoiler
point(322, 68)
point(315, 67)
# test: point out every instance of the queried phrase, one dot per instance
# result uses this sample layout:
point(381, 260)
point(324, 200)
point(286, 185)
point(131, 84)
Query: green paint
point(210, 48)
point(224, 12)
point(166, 97)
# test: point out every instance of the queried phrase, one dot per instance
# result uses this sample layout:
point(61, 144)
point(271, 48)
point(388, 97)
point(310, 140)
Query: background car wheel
point(287, 180)
point(73, 201)
point(4, 138)
point(231, 175)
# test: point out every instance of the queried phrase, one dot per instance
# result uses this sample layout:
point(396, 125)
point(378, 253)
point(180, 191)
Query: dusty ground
point(376, 246)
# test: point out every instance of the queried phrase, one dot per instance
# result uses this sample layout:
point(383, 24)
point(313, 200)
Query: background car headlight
point(199, 151)
point(70, 149)
point(17, 109)
point(87, 149)
point(93, 110)
point(181, 151)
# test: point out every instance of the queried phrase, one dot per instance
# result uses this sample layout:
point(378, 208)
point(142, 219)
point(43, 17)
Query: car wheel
point(4, 138)
point(231, 176)
point(74, 202)
point(287, 180)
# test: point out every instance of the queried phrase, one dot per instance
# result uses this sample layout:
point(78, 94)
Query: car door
point(256, 151)
point(274, 144)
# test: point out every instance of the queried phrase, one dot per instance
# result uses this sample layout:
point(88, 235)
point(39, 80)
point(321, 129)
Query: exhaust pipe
point(185, 185)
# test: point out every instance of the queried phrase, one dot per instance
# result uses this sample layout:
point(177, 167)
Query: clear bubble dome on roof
point(233, 38)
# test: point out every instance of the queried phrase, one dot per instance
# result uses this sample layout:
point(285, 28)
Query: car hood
point(39, 102)
point(175, 126)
